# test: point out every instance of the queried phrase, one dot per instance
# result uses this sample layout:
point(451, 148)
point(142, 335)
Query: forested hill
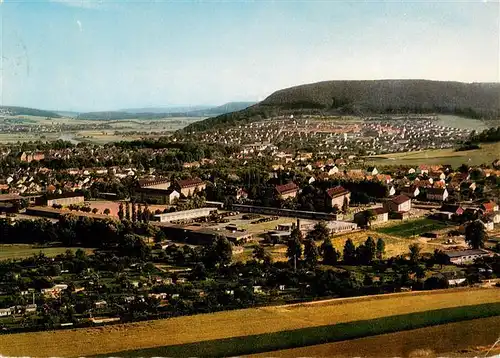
point(475, 100)
point(23, 111)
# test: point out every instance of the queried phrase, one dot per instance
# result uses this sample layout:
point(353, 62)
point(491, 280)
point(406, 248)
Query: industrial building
point(184, 215)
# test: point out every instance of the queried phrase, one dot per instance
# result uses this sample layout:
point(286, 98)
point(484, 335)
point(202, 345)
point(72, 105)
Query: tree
point(219, 253)
point(160, 236)
point(475, 235)
point(414, 253)
point(259, 253)
point(310, 253)
point(369, 250)
point(369, 216)
point(139, 213)
point(294, 246)
point(440, 258)
point(380, 248)
point(329, 254)
point(120, 211)
point(127, 211)
point(320, 232)
point(134, 212)
point(95, 211)
point(106, 211)
point(349, 252)
point(345, 205)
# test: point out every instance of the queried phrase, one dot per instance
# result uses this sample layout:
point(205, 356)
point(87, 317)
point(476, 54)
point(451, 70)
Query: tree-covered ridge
point(474, 100)
point(488, 135)
point(20, 111)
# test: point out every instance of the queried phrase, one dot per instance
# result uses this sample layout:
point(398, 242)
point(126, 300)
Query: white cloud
point(79, 23)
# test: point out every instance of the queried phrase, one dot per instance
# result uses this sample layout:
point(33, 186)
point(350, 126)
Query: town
point(159, 228)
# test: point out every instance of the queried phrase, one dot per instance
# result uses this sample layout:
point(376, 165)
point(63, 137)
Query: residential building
point(411, 191)
point(400, 203)
point(337, 196)
point(437, 194)
point(452, 208)
point(489, 207)
point(188, 187)
point(287, 191)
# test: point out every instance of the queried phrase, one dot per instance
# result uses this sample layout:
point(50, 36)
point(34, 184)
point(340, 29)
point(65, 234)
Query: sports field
point(247, 322)
point(411, 228)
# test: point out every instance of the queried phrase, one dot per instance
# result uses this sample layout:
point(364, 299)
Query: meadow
point(20, 251)
point(324, 320)
point(465, 338)
point(485, 155)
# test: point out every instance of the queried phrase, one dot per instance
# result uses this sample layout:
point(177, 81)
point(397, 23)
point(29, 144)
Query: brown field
point(460, 339)
point(238, 323)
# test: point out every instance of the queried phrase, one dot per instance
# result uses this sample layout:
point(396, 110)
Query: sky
point(106, 55)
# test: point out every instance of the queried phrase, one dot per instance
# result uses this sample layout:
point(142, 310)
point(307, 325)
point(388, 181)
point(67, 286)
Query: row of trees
point(298, 247)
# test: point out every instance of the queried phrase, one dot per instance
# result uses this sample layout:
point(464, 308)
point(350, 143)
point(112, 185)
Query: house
point(31, 156)
point(400, 203)
point(156, 196)
point(411, 191)
point(310, 179)
point(337, 196)
point(487, 223)
point(391, 191)
point(241, 194)
point(464, 256)
point(436, 194)
point(371, 171)
point(31, 308)
point(451, 208)
point(286, 191)
point(380, 215)
point(4, 312)
point(100, 304)
point(489, 207)
point(495, 217)
point(54, 291)
point(188, 187)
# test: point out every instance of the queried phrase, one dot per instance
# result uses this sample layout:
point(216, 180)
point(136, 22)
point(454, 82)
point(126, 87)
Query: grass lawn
point(22, 251)
point(249, 322)
point(411, 228)
point(485, 155)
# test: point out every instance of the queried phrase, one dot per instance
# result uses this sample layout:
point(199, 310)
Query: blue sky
point(105, 55)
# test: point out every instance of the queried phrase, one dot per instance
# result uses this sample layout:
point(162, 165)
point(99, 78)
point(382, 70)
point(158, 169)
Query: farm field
point(411, 228)
point(238, 323)
point(22, 251)
point(485, 155)
point(467, 338)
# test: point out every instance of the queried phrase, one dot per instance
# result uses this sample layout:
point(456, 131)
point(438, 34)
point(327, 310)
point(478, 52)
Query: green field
point(411, 228)
point(316, 335)
point(485, 155)
point(22, 251)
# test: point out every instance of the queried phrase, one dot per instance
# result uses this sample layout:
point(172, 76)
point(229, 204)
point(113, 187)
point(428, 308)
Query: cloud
point(79, 23)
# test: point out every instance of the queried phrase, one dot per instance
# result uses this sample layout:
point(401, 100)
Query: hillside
point(155, 113)
point(475, 100)
point(24, 111)
point(225, 108)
